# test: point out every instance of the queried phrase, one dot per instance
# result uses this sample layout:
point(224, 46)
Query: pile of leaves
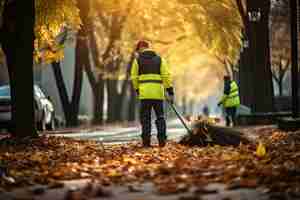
point(274, 163)
point(205, 132)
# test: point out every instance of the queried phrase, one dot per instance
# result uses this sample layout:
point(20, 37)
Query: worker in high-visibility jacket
point(230, 100)
point(151, 77)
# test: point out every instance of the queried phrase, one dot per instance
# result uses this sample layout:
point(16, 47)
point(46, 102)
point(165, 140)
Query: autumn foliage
point(172, 169)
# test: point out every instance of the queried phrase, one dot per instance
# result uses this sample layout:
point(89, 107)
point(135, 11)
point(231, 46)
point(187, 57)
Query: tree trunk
point(24, 70)
point(245, 63)
point(184, 105)
point(119, 105)
point(81, 60)
point(62, 91)
point(260, 50)
point(132, 105)
point(294, 17)
point(71, 107)
point(99, 101)
point(99, 84)
point(246, 82)
point(78, 77)
point(4, 77)
point(17, 38)
point(280, 87)
point(113, 104)
point(126, 89)
point(123, 98)
point(98, 95)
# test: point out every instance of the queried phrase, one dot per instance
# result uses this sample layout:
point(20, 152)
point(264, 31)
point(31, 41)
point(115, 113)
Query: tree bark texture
point(62, 91)
point(98, 85)
point(17, 37)
point(112, 100)
point(256, 87)
point(245, 66)
point(260, 46)
point(99, 101)
point(294, 55)
point(132, 105)
point(78, 78)
point(71, 107)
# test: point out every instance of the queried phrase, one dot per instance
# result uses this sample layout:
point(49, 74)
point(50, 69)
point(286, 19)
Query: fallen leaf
point(261, 150)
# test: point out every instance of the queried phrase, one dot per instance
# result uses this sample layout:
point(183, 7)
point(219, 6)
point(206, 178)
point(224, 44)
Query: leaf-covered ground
point(172, 169)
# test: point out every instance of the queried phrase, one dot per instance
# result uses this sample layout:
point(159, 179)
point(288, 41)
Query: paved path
point(129, 134)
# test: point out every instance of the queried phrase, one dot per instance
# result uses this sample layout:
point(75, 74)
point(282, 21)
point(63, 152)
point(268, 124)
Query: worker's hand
point(171, 98)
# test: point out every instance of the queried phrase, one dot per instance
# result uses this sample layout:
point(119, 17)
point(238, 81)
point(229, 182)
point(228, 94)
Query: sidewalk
point(110, 133)
point(92, 128)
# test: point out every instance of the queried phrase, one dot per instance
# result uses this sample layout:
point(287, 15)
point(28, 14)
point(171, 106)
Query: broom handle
point(180, 117)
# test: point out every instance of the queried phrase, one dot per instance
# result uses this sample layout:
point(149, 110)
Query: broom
point(201, 140)
point(203, 133)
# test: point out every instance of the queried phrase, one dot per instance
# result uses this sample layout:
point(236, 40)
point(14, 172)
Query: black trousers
point(145, 119)
point(230, 115)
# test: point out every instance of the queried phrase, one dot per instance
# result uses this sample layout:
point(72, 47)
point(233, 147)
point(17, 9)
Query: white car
point(44, 109)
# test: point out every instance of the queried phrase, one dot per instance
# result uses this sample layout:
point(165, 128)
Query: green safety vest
point(233, 98)
point(150, 75)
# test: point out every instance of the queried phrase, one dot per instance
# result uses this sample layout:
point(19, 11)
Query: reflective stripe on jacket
point(232, 99)
point(150, 75)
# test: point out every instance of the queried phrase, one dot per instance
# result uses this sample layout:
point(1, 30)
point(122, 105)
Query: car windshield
point(4, 91)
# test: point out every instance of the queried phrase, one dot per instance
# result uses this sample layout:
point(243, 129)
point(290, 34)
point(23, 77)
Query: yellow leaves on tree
point(51, 17)
point(181, 31)
point(218, 25)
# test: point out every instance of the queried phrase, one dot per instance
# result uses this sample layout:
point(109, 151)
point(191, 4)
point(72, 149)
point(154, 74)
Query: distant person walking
point(205, 111)
point(230, 100)
point(151, 76)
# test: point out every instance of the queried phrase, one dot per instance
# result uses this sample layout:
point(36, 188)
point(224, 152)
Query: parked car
point(43, 109)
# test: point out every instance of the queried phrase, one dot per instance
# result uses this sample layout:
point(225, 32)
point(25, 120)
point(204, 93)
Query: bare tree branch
point(103, 20)
point(242, 12)
point(274, 76)
point(100, 15)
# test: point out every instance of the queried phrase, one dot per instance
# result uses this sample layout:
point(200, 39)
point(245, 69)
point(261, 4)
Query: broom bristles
point(204, 130)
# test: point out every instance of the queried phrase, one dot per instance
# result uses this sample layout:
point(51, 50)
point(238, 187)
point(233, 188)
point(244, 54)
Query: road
point(124, 135)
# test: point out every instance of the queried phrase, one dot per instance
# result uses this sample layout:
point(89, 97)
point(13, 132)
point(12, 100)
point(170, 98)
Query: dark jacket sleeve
point(227, 87)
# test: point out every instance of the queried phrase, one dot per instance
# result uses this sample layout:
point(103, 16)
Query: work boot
point(161, 131)
point(146, 142)
point(234, 121)
point(227, 121)
point(162, 143)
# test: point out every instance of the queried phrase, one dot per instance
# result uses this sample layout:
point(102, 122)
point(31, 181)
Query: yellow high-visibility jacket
point(232, 99)
point(150, 75)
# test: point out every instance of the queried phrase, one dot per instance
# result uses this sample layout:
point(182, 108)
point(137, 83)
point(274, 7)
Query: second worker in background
point(150, 75)
point(230, 100)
